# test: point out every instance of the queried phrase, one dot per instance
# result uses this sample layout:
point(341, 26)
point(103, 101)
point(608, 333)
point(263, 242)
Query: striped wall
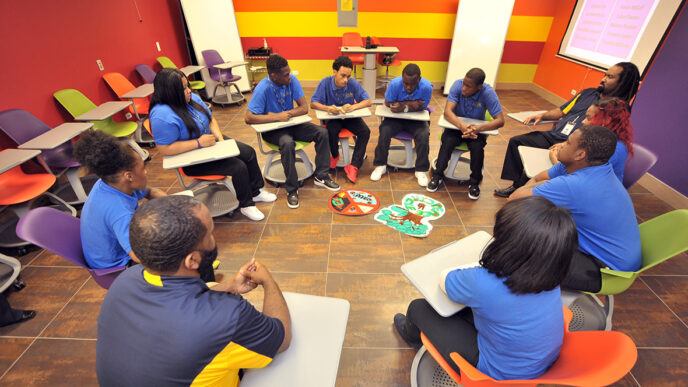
point(306, 33)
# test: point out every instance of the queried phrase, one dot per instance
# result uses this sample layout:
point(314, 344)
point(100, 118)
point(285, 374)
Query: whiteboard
point(212, 26)
point(479, 35)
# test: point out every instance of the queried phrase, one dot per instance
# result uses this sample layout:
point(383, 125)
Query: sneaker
point(265, 196)
point(293, 200)
point(333, 162)
point(434, 184)
point(422, 178)
point(506, 192)
point(378, 172)
point(326, 182)
point(474, 191)
point(351, 173)
point(400, 325)
point(252, 213)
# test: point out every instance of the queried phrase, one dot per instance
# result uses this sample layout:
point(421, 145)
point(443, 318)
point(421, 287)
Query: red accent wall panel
point(522, 52)
point(427, 6)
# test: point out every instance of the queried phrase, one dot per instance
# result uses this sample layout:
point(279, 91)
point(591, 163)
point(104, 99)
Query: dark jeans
point(451, 139)
point(244, 170)
point(513, 167)
point(356, 126)
point(7, 314)
point(421, 137)
point(455, 333)
point(584, 273)
point(285, 138)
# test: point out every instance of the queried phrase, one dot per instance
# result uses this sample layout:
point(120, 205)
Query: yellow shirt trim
point(568, 107)
point(223, 370)
point(152, 278)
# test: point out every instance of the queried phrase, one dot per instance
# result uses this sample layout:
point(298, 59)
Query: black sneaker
point(506, 192)
point(326, 182)
point(474, 191)
point(400, 325)
point(293, 200)
point(434, 184)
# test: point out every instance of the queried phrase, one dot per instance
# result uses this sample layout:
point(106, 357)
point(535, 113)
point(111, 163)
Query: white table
point(104, 111)
point(385, 111)
point(535, 160)
point(221, 150)
point(424, 272)
point(262, 128)
point(188, 70)
point(521, 116)
point(229, 65)
point(312, 359)
point(359, 113)
point(369, 64)
point(448, 125)
point(57, 136)
point(10, 158)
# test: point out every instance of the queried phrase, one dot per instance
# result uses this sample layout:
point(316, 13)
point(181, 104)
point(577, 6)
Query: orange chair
point(587, 358)
point(395, 61)
point(140, 106)
point(353, 39)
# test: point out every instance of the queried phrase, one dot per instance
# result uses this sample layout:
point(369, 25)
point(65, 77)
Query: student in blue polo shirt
point(584, 183)
point(469, 97)
point(340, 94)
point(113, 199)
point(273, 101)
point(407, 93)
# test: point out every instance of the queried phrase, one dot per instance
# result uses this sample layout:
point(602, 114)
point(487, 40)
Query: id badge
point(568, 128)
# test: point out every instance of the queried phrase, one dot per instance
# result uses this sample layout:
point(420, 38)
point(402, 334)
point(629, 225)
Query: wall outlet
point(157, 44)
point(573, 91)
point(295, 72)
point(100, 65)
point(127, 115)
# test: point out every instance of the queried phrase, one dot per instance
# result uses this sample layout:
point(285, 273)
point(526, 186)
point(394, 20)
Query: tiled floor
point(311, 250)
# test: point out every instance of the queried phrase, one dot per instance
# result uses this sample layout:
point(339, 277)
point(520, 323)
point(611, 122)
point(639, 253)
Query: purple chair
point(406, 140)
point(22, 126)
point(223, 77)
point(146, 73)
point(642, 160)
point(58, 233)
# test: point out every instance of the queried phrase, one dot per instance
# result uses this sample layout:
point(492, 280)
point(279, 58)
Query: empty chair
point(166, 62)
point(224, 79)
point(58, 233)
point(9, 273)
point(642, 160)
point(354, 39)
point(385, 60)
point(139, 107)
point(146, 73)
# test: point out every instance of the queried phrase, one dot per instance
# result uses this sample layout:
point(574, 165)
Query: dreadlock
point(628, 82)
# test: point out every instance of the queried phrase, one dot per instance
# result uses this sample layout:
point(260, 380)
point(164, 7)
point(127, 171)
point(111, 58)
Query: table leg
point(369, 75)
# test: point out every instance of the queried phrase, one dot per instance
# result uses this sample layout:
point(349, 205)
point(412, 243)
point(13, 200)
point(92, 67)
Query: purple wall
point(660, 111)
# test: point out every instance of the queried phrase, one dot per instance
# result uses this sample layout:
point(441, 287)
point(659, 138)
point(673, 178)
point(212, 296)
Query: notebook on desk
point(221, 150)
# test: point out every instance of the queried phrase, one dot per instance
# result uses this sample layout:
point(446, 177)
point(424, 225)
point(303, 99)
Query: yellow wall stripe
point(529, 28)
point(516, 73)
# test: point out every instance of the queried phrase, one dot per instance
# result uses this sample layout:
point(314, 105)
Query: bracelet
point(199, 144)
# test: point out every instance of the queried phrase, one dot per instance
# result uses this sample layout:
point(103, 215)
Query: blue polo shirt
point(270, 98)
point(519, 335)
point(474, 106)
point(602, 210)
point(169, 128)
point(618, 162)
point(327, 93)
point(168, 331)
point(396, 92)
point(105, 225)
point(574, 112)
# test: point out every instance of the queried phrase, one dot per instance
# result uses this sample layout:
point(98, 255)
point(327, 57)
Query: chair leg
point(306, 162)
point(408, 148)
point(453, 162)
point(75, 182)
point(609, 310)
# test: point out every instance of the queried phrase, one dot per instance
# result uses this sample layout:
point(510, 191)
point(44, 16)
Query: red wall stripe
point(427, 6)
point(522, 52)
point(534, 7)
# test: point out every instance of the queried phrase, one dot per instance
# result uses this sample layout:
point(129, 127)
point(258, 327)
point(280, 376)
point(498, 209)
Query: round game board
point(354, 202)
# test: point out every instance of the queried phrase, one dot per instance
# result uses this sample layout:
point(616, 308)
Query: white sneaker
point(252, 213)
point(265, 196)
point(378, 172)
point(422, 178)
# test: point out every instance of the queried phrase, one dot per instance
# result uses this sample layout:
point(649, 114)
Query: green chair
point(166, 62)
point(276, 176)
point(77, 104)
point(661, 238)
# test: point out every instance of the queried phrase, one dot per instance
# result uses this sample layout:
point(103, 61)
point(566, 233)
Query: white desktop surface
point(521, 116)
point(261, 128)
point(142, 91)
point(424, 272)
point(188, 70)
point(105, 110)
point(359, 113)
point(57, 136)
point(221, 150)
point(384, 111)
point(10, 158)
point(318, 326)
point(535, 160)
point(376, 50)
point(229, 65)
point(446, 124)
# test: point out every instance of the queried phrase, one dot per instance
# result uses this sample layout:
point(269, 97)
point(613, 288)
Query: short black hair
point(103, 155)
point(628, 82)
point(342, 61)
point(476, 74)
point(534, 241)
point(598, 142)
point(275, 63)
point(164, 231)
point(411, 70)
point(169, 90)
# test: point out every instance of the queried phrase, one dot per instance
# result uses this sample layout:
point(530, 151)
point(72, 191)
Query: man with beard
point(160, 324)
point(621, 81)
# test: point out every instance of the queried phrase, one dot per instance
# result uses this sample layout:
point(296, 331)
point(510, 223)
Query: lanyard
point(281, 99)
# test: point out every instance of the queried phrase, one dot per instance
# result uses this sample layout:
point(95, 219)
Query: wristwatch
point(406, 109)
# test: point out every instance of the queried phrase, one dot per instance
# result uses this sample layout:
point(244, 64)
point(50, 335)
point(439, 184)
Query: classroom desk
point(228, 97)
point(318, 326)
point(521, 116)
point(424, 272)
point(104, 111)
point(370, 65)
point(385, 111)
point(57, 136)
point(359, 113)
point(262, 128)
point(448, 125)
point(10, 158)
point(142, 91)
point(221, 150)
point(188, 70)
point(535, 160)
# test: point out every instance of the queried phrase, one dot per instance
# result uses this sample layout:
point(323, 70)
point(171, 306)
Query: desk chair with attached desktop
point(166, 62)
point(404, 155)
point(139, 105)
point(224, 78)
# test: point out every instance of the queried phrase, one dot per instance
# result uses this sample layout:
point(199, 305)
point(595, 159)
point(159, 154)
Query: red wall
point(49, 45)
